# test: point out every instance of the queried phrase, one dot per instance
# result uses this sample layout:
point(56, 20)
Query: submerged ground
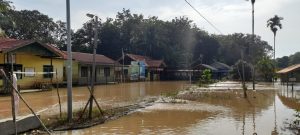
point(217, 109)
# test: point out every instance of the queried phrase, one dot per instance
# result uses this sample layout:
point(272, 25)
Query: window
point(84, 71)
point(48, 69)
point(29, 71)
point(125, 71)
point(146, 73)
point(106, 71)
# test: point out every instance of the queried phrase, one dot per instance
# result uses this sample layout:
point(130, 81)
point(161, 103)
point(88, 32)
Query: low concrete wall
point(24, 124)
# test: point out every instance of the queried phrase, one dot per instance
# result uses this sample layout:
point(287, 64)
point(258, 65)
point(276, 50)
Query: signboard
point(134, 71)
point(142, 69)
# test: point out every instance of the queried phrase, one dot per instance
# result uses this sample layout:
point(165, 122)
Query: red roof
point(8, 44)
point(155, 63)
point(88, 58)
point(138, 57)
point(148, 61)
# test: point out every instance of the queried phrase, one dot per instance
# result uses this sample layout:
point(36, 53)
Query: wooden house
point(34, 62)
point(82, 69)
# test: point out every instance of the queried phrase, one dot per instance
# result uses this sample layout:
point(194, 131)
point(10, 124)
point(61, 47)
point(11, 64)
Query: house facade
point(289, 74)
point(82, 69)
point(34, 63)
point(143, 67)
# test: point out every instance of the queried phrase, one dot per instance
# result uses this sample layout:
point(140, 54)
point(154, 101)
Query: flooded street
point(220, 109)
point(265, 112)
point(107, 95)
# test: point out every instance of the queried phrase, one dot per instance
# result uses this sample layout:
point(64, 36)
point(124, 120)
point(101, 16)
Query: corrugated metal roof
point(288, 69)
point(88, 58)
point(220, 66)
point(148, 61)
point(205, 66)
point(8, 44)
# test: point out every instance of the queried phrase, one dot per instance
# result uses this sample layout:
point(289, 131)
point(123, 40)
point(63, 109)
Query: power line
point(204, 17)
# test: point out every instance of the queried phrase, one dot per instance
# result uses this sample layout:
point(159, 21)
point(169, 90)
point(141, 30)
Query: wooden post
point(287, 82)
point(13, 105)
point(15, 89)
point(58, 93)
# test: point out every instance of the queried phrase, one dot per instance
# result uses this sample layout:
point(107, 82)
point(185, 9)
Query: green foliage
point(4, 17)
point(178, 42)
point(205, 78)
point(30, 24)
point(295, 124)
point(237, 70)
point(232, 45)
point(274, 23)
point(282, 62)
point(286, 61)
point(266, 68)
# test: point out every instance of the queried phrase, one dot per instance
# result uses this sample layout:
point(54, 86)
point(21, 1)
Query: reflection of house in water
point(37, 60)
point(82, 68)
point(146, 67)
point(290, 102)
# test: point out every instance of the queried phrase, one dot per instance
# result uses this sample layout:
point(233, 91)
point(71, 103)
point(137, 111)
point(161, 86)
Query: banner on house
point(142, 67)
point(134, 71)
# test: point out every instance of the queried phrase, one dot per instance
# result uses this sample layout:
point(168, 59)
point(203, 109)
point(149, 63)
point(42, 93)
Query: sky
point(229, 16)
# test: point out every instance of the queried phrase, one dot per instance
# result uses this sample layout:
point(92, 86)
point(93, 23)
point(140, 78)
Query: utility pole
point(243, 75)
point(69, 64)
point(94, 62)
point(122, 76)
point(253, 64)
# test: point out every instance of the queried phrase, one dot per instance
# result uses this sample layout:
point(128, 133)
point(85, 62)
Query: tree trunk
point(274, 47)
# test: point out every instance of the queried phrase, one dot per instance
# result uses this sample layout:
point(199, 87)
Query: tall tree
point(4, 17)
point(266, 68)
point(82, 39)
point(30, 24)
point(274, 23)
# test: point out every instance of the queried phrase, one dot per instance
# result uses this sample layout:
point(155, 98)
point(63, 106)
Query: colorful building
point(34, 63)
point(148, 68)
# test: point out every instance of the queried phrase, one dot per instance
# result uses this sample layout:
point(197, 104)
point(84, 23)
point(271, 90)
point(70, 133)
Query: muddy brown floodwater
point(266, 112)
point(106, 95)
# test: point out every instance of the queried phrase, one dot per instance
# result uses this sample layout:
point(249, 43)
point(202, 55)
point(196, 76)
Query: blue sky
point(229, 16)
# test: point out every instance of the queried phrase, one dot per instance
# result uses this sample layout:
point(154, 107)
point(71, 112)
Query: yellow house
point(34, 63)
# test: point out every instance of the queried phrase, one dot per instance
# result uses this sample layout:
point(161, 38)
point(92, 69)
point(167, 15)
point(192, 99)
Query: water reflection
point(263, 113)
point(107, 95)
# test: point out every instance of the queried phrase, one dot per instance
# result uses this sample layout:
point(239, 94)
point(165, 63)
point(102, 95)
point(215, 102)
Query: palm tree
point(274, 23)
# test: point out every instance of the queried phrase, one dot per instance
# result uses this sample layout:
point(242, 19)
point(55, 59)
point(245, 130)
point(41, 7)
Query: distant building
point(219, 70)
point(148, 68)
point(222, 71)
point(34, 63)
point(82, 68)
point(290, 74)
